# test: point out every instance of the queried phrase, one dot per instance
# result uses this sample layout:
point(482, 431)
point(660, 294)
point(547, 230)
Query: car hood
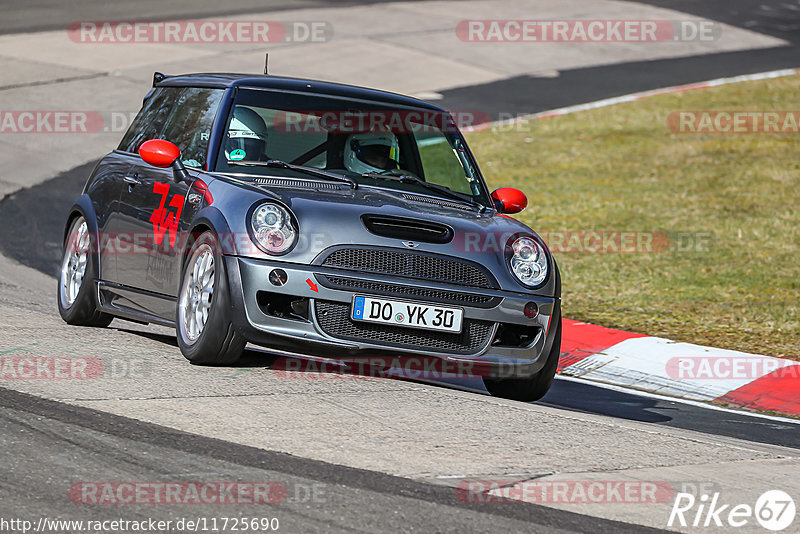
point(332, 217)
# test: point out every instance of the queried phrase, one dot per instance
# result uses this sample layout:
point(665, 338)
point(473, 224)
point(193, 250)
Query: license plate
point(409, 314)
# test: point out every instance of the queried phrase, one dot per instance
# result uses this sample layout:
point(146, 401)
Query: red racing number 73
point(163, 220)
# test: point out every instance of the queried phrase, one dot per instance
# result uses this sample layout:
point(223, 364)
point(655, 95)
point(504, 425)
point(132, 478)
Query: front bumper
point(487, 312)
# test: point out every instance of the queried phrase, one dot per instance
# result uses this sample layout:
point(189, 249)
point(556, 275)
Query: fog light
point(278, 277)
point(531, 310)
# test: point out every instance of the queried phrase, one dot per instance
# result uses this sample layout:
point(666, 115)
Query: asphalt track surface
point(528, 94)
point(42, 15)
point(103, 446)
point(520, 95)
point(109, 447)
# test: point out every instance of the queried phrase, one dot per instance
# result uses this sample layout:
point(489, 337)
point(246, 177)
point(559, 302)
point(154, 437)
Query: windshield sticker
point(237, 154)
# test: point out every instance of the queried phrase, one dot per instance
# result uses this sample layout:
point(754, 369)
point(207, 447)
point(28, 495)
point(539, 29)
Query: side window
point(190, 124)
point(150, 120)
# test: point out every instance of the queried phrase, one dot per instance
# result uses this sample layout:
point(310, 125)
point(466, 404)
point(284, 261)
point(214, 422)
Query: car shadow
point(166, 339)
point(568, 395)
point(587, 398)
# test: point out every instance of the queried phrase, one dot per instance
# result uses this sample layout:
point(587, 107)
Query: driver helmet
point(371, 152)
point(247, 136)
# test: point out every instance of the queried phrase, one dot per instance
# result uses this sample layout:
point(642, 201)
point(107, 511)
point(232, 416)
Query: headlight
point(272, 228)
point(528, 262)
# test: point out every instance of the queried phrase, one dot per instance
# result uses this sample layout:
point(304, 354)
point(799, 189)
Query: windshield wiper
point(278, 164)
point(408, 179)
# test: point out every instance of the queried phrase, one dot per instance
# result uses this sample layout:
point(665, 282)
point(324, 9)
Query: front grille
point(334, 319)
point(409, 264)
point(379, 288)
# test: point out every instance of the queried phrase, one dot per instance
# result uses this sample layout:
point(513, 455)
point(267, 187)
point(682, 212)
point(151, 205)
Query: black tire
point(218, 342)
point(82, 309)
point(531, 388)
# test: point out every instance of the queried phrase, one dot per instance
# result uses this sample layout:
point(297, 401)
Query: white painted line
point(699, 404)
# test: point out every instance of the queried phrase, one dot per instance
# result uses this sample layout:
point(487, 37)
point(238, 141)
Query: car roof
point(225, 80)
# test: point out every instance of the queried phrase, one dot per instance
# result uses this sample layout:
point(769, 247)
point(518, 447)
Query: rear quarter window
point(151, 118)
point(189, 125)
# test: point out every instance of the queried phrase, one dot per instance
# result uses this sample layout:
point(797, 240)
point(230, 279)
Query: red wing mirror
point(509, 200)
point(162, 153)
point(159, 153)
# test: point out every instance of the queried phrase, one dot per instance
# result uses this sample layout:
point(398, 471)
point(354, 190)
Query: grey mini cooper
point(316, 218)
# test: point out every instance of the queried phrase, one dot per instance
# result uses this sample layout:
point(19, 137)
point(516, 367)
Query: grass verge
point(729, 204)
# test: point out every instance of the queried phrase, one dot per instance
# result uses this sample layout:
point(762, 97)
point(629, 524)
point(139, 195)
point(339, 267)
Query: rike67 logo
point(774, 510)
point(165, 221)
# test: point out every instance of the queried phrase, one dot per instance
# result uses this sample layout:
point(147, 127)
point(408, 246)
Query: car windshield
point(411, 150)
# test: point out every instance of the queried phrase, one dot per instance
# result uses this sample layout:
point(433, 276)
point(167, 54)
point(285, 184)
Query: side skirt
point(136, 305)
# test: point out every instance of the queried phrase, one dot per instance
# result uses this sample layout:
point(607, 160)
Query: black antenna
point(266, 64)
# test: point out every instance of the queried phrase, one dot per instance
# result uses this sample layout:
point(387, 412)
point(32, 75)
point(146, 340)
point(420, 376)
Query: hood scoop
point(405, 228)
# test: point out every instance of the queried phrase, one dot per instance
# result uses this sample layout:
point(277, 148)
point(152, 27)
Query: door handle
point(132, 180)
